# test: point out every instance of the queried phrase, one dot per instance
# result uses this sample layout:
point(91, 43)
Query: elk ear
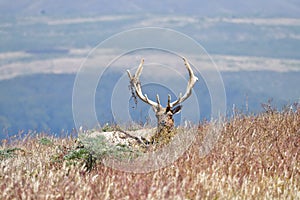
point(177, 109)
point(168, 108)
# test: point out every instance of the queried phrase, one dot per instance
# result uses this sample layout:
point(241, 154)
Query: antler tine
point(169, 100)
point(157, 99)
point(193, 79)
point(139, 70)
point(135, 81)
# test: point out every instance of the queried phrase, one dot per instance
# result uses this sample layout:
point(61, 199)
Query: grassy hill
point(254, 157)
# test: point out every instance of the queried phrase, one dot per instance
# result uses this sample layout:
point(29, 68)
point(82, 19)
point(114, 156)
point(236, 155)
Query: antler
point(193, 79)
point(134, 80)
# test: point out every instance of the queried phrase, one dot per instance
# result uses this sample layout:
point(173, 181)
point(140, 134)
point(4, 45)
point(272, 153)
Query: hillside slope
point(255, 156)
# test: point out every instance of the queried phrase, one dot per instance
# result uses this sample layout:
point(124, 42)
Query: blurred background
point(255, 45)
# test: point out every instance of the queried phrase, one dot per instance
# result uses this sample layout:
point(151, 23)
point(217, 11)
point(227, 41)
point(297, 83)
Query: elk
point(164, 115)
point(160, 136)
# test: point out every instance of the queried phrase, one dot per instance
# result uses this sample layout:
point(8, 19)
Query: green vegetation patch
point(9, 152)
point(101, 149)
point(45, 141)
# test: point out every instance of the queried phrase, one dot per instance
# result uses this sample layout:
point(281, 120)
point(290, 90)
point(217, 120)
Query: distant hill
point(44, 102)
point(266, 8)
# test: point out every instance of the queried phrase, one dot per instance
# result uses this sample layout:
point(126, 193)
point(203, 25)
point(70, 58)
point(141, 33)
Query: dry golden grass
point(256, 157)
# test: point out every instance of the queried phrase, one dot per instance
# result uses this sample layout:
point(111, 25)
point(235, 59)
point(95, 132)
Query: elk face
point(165, 121)
point(165, 117)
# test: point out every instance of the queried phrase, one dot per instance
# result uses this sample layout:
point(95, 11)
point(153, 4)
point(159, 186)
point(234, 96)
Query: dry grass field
point(256, 157)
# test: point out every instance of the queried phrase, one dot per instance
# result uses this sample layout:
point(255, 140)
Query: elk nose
point(163, 122)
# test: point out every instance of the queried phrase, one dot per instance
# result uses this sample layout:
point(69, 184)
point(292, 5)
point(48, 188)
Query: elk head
point(164, 116)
